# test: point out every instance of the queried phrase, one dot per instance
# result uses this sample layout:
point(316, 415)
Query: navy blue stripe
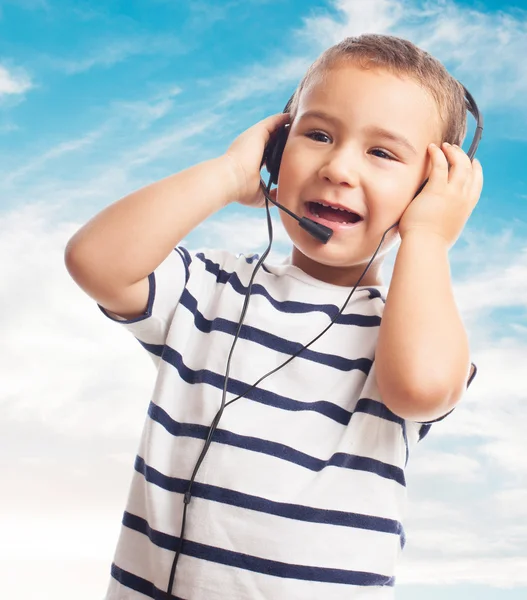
point(472, 375)
point(374, 293)
point(254, 563)
point(276, 450)
point(296, 512)
point(269, 340)
point(236, 387)
point(423, 430)
point(377, 409)
point(187, 260)
point(155, 349)
point(149, 306)
point(185, 254)
point(322, 407)
point(290, 306)
point(426, 426)
point(405, 438)
point(138, 584)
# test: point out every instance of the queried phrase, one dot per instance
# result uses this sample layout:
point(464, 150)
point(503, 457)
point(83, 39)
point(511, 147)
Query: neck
point(345, 276)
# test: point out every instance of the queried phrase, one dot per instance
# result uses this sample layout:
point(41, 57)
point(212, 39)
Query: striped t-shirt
point(302, 492)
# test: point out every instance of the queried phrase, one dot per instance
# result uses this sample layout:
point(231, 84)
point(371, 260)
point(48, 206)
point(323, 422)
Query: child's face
point(366, 151)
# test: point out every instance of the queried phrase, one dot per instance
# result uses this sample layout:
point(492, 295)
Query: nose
point(338, 168)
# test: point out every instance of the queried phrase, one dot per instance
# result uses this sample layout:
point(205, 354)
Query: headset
point(271, 159)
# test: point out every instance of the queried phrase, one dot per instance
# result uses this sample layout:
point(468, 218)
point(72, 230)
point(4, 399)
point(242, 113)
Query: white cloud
point(356, 17)
point(56, 578)
point(510, 454)
point(48, 327)
point(504, 572)
point(264, 79)
point(315, 34)
point(145, 112)
point(14, 81)
point(101, 182)
point(482, 48)
point(458, 541)
point(494, 410)
point(451, 467)
point(8, 127)
point(433, 510)
point(509, 286)
point(53, 153)
point(161, 144)
point(238, 232)
point(479, 48)
point(54, 541)
point(107, 53)
point(512, 504)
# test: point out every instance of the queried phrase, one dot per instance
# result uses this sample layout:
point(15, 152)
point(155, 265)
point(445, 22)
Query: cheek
point(296, 163)
point(389, 198)
point(290, 178)
point(291, 167)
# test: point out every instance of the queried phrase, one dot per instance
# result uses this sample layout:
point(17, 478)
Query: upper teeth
point(334, 207)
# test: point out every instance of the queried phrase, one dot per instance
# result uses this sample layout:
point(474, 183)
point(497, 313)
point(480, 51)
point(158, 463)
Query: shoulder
point(216, 262)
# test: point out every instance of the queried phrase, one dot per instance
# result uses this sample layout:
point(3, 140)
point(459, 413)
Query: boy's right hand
point(245, 157)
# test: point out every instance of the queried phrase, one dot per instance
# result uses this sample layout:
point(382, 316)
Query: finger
point(275, 121)
point(476, 185)
point(438, 177)
point(461, 168)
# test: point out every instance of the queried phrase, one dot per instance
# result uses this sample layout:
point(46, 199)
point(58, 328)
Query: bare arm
point(422, 354)
point(112, 255)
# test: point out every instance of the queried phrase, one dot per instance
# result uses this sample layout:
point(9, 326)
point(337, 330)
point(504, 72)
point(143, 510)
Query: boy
point(301, 495)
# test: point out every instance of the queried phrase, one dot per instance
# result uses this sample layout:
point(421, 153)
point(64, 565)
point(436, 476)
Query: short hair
point(399, 57)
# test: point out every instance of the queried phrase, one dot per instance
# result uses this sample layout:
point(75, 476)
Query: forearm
point(127, 240)
point(422, 357)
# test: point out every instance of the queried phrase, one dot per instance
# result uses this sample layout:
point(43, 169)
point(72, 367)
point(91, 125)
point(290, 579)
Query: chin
point(329, 257)
point(344, 249)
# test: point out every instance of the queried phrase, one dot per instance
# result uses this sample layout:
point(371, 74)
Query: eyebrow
point(372, 130)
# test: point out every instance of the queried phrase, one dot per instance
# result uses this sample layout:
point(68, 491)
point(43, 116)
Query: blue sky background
point(100, 98)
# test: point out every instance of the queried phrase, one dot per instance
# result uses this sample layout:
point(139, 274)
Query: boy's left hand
point(450, 195)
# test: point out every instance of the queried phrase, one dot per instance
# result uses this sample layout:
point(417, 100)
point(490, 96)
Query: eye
point(382, 154)
point(318, 136)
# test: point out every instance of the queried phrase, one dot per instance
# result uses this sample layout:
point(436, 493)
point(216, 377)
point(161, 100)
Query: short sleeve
point(166, 284)
point(424, 427)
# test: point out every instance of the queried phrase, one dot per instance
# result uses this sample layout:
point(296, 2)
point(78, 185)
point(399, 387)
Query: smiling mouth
point(334, 215)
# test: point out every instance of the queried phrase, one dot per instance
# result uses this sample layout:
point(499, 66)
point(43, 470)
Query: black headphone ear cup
point(274, 150)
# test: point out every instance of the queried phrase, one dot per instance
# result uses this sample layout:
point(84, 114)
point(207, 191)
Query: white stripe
point(296, 430)
point(212, 580)
point(265, 476)
point(270, 536)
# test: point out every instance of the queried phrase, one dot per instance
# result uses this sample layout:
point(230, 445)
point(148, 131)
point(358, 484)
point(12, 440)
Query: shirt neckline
point(286, 268)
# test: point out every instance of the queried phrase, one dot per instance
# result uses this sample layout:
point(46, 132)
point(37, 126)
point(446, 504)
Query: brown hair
point(400, 57)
